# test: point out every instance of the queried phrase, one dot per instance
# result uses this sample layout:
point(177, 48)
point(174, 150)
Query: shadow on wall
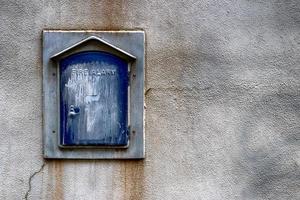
point(287, 14)
point(270, 132)
point(269, 136)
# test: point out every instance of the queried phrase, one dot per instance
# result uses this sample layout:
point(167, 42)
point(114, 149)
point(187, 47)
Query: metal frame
point(127, 44)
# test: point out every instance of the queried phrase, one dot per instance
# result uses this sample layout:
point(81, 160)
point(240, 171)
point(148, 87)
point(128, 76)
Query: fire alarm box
point(93, 94)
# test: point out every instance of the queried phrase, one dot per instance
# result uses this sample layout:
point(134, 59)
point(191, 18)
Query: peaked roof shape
point(97, 39)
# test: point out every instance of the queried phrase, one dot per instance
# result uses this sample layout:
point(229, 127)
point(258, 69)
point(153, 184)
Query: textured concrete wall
point(222, 95)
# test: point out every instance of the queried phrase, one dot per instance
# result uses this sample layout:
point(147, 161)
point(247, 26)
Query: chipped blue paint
point(93, 100)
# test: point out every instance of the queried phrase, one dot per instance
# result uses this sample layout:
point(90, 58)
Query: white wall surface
point(223, 101)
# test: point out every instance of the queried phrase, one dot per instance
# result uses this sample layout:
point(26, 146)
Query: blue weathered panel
point(93, 100)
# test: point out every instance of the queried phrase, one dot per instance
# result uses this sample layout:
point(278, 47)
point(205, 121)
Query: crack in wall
point(147, 91)
point(31, 178)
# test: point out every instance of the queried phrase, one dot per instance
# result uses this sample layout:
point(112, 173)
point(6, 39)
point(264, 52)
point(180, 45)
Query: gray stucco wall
point(222, 97)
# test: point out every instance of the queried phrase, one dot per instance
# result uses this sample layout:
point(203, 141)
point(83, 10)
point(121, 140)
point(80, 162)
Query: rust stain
point(114, 14)
point(108, 15)
point(56, 176)
point(133, 176)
